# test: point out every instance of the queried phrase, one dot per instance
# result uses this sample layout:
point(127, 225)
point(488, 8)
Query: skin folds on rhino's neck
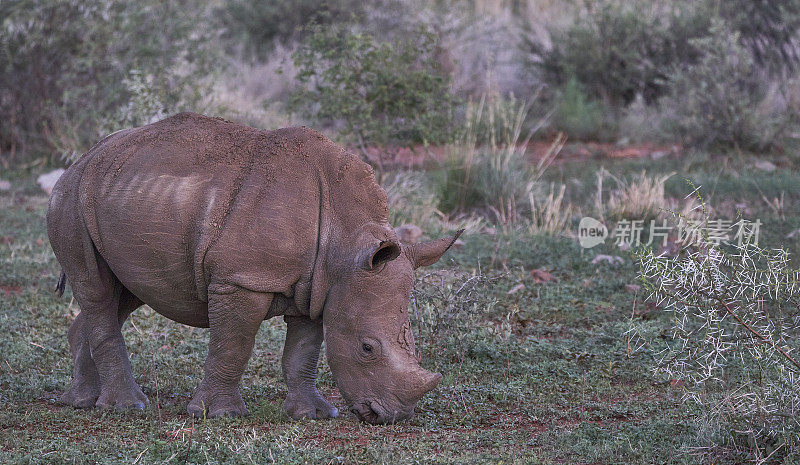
point(349, 200)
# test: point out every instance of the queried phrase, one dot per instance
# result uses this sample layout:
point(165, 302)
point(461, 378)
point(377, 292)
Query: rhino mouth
point(373, 412)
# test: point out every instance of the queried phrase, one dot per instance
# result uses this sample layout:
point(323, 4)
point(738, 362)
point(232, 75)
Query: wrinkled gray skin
point(219, 225)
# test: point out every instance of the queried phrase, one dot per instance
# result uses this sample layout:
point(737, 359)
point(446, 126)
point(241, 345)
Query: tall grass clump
point(639, 198)
point(411, 199)
point(735, 312)
point(488, 169)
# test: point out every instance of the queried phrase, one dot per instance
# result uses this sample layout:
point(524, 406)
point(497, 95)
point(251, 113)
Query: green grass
point(542, 375)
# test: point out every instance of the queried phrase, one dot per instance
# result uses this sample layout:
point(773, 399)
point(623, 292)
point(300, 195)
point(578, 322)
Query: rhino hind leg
point(234, 316)
point(95, 337)
point(300, 357)
point(85, 387)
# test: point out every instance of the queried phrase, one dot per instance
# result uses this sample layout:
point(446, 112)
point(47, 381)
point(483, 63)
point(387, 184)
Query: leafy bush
point(617, 49)
point(64, 65)
point(621, 52)
point(767, 29)
point(376, 92)
point(716, 102)
point(580, 117)
point(256, 24)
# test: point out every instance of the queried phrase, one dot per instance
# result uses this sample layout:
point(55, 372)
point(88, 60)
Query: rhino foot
point(308, 405)
point(129, 396)
point(81, 395)
point(211, 405)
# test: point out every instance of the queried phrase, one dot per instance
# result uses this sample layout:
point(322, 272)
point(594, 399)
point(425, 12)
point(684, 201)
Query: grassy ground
point(541, 375)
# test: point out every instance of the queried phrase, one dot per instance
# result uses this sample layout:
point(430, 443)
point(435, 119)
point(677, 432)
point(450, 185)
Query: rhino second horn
point(428, 253)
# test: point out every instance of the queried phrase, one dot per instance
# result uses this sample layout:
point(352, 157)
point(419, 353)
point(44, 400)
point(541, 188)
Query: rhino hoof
point(312, 406)
point(123, 399)
point(217, 406)
point(80, 398)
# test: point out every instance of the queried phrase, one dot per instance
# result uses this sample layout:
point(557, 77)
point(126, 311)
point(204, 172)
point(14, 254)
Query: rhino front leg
point(234, 316)
point(300, 356)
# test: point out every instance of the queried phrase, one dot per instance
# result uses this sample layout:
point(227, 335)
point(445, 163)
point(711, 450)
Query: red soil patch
point(8, 290)
point(420, 156)
point(599, 150)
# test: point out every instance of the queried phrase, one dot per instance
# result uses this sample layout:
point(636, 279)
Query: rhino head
point(368, 337)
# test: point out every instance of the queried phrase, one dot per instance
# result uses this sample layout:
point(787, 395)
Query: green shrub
point(377, 92)
point(580, 117)
point(618, 49)
point(768, 29)
point(716, 102)
point(64, 66)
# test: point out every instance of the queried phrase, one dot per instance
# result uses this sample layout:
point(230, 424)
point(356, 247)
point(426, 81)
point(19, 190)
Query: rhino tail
point(62, 283)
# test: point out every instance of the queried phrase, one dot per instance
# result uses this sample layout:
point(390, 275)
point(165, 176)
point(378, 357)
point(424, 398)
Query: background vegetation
point(512, 119)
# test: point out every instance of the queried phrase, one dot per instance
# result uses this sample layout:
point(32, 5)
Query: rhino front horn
point(431, 381)
point(428, 253)
point(426, 381)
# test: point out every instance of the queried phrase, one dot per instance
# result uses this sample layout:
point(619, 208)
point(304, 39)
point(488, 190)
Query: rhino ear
point(428, 253)
point(386, 251)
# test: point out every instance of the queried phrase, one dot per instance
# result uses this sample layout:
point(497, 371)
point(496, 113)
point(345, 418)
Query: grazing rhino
point(218, 225)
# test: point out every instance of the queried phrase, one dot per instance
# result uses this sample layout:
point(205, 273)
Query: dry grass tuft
point(640, 198)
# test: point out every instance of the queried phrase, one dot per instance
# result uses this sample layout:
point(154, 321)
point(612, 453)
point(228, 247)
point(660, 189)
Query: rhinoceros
point(221, 226)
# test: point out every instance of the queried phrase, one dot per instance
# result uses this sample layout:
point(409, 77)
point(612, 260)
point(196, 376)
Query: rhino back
point(190, 201)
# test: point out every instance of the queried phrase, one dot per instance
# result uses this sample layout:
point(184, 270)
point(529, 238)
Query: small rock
point(632, 288)
point(39, 241)
point(795, 233)
point(611, 260)
point(658, 154)
point(5, 185)
point(516, 289)
point(765, 165)
point(408, 233)
point(542, 276)
point(48, 180)
point(458, 244)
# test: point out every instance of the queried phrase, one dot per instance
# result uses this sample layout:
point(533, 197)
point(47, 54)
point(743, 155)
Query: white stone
point(48, 180)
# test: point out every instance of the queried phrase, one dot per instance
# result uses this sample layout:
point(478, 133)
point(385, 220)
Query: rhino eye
point(370, 349)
